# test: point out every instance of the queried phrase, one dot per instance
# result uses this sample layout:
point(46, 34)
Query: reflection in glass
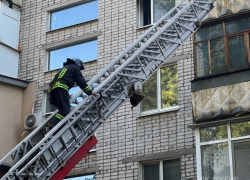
point(202, 65)
point(236, 52)
point(218, 56)
point(49, 107)
point(74, 15)
point(172, 169)
point(169, 86)
point(150, 93)
point(73, 91)
point(87, 177)
point(151, 172)
point(213, 133)
point(209, 32)
point(240, 129)
point(86, 52)
point(237, 25)
point(161, 7)
point(242, 160)
point(215, 161)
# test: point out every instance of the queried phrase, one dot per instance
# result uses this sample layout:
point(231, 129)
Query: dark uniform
point(60, 85)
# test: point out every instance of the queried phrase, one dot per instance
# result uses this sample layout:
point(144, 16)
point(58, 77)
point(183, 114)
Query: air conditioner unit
point(31, 121)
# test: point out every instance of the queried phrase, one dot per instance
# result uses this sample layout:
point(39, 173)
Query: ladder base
point(73, 160)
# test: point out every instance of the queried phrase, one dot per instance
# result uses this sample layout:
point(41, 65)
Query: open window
point(150, 11)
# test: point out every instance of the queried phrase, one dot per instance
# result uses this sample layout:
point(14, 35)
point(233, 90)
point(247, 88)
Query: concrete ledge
point(13, 81)
point(72, 41)
point(83, 172)
point(159, 156)
point(220, 121)
point(224, 79)
point(65, 4)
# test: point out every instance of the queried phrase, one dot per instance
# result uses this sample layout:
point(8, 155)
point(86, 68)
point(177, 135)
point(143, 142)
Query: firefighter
point(60, 85)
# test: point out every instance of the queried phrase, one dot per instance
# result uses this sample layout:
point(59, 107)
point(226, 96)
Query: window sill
point(49, 31)
point(148, 113)
point(143, 27)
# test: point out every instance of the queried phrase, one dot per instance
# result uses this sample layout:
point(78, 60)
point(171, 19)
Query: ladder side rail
point(75, 96)
point(124, 65)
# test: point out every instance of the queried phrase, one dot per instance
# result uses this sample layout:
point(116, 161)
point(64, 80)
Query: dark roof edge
point(13, 81)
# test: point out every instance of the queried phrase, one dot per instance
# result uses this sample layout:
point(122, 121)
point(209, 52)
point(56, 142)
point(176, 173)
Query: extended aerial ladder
point(44, 156)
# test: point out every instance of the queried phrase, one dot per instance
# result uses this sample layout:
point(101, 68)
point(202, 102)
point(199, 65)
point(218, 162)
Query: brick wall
point(123, 135)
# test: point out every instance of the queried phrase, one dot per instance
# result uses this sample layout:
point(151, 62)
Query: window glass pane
point(85, 51)
point(209, 32)
point(218, 56)
point(73, 91)
point(74, 15)
point(242, 160)
point(161, 7)
point(237, 25)
point(213, 133)
point(202, 64)
point(87, 177)
point(150, 92)
point(169, 86)
point(172, 170)
point(49, 107)
point(151, 172)
point(215, 161)
point(145, 12)
point(240, 129)
point(236, 52)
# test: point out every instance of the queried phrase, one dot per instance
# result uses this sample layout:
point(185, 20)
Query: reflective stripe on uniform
point(86, 89)
point(59, 116)
point(60, 85)
point(62, 73)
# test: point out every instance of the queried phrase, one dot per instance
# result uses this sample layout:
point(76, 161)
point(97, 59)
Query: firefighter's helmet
point(75, 61)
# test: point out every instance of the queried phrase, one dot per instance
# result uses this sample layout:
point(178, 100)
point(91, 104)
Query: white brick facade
point(123, 135)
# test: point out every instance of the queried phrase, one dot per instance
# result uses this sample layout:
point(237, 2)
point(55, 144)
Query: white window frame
point(65, 5)
point(47, 51)
point(160, 162)
point(158, 110)
point(230, 140)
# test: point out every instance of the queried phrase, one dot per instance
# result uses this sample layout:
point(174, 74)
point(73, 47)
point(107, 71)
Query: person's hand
point(94, 93)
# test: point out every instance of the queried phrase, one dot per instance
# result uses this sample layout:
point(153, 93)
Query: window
point(150, 11)
point(51, 108)
point(220, 145)
point(222, 47)
point(86, 177)
point(74, 15)
point(161, 90)
point(86, 51)
point(10, 21)
point(163, 170)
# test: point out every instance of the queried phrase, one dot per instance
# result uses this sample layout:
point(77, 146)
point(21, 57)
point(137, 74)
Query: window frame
point(230, 140)
point(47, 52)
point(160, 163)
point(63, 6)
point(225, 37)
point(140, 12)
point(158, 110)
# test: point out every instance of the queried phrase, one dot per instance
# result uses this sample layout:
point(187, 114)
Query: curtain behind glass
point(215, 161)
point(242, 160)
